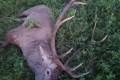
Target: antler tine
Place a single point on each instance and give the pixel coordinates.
(65, 20)
(62, 14)
(93, 31)
(70, 58)
(103, 39)
(79, 75)
(78, 3)
(65, 54)
(70, 70)
(76, 67)
(65, 10)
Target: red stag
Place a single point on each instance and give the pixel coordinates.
(36, 38)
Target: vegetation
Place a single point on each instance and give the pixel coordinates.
(101, 59)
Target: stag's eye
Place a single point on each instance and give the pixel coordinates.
(48, 72)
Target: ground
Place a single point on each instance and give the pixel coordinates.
(101, 59)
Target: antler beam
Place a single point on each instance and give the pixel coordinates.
(60, 20)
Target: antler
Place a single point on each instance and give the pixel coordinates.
(59, 22)
(93, 33)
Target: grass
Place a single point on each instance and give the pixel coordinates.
(102, 59)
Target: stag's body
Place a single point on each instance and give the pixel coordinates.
(35, 42)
